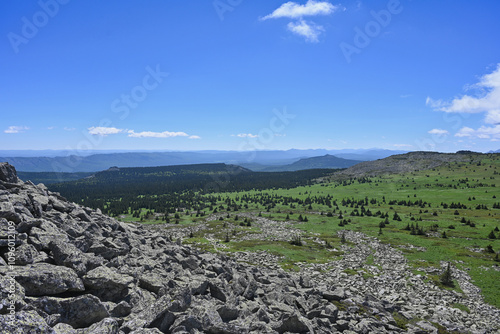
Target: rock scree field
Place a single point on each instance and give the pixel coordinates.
(406, 244)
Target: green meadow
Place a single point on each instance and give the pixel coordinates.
(453, 211)
(455, 206)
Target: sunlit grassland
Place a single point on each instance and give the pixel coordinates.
(475, 185)
(469, 184)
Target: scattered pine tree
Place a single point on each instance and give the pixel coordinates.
(446, 277)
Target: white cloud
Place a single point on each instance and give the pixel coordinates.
(71, 129)
(293, 10)
(16, 129)
(438, 132)
(245, 135)
(402, 145)
(487, 102)
(194, 137)
(101, 130)
(484, 132)
(151, 134)
(465, 132)
(309, 30)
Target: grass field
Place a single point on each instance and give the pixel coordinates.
(459, 200)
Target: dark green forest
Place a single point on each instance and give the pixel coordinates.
(165, 189)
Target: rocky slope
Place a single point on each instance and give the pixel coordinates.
(78, 271)
(403, 163)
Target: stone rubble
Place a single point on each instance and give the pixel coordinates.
(79, 271)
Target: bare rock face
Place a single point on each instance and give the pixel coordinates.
(41, 279)
(78, 271)
(78, 312)
(8, 173)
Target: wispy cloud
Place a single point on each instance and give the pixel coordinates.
(66, 128)
(309, 30)
(292, 10)
(488, 101)
(16, 129)
(101, 131)
(438, 132)
(105, 131)
(151, 134)
(484, 132)
(245, 135)
(403, 145)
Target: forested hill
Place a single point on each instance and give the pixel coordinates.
(409, 162)
(175, 183)
(326, 161)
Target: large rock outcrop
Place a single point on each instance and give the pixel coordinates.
(78, 271)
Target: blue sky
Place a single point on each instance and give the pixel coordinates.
(234, 75)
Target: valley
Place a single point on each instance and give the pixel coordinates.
(446, 207)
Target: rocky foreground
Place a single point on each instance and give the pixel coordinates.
(78, 271)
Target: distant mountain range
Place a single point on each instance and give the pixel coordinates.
(255, 160)
(325, 161)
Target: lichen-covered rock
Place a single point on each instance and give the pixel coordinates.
(62, 328)
(105, 326)
(82, 311)
(11, 295)
(66, 254)
(24, 322)
(25, 254)
(8, 173)
(107, 283)
(41, 279)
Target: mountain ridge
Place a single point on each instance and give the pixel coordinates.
(98, 162)
(325, 161)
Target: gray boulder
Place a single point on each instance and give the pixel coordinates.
(82, 311)
(8, 173)
(46, 233)
(24, 322)
(105, 326)
(10, 291)
(25, 254)
(8, 212)
(107, 283)
(62, 328)
(41, 279)
(157, 315)
(295, 324)
(146, 331)
(66, 254)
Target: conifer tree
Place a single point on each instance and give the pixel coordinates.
(446, 277)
